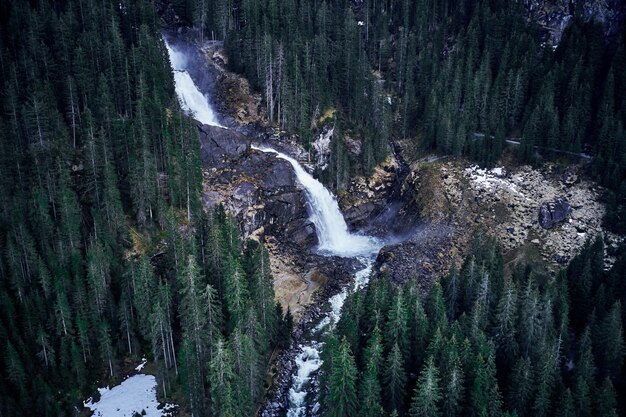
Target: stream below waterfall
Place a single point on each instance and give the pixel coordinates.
(308, 361)
(334, 239)
(333, 236)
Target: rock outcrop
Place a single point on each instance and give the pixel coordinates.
(553, 212)
(505, 203)
(321, 145)
(554, 16)
(367, 199)
(426, 255)
(259, 189)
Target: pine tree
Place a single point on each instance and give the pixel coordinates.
(610, 343)
(370, 388)
(521, 386)
(396, 329)
(452, 291)
(395, 380)
(342, 395)
(484, 397)
(222, 381)
(605, 401)
(191, 376)
(427, 394)
(193, 307)
(504, 329)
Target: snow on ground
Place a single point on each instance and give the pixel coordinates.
(134, 395)
(490, 179)
(139, 367)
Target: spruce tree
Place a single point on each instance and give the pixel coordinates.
(342, 394)
(427, 394)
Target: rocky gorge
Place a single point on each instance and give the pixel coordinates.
(426, 210)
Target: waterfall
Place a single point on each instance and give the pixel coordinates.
(192, 101)
(331, 228)
(332, 233)
(334, 239)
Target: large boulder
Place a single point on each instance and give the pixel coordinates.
(553, 212)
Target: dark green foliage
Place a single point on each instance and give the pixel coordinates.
(341, 400)
(427, 393)
(506, 346)
(106, 253)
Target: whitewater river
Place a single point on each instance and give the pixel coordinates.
(333, 236)
(334, 240)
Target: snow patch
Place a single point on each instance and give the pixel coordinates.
(135, 395)
(491, 179)
(139, 367)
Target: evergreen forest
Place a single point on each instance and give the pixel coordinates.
(483, 342)
(106, 253)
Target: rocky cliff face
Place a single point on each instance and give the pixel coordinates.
(258, 189)
(555, 15)
(262, 193)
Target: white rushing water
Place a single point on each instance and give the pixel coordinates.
(191, 99)
(334, 239)
(330, 226)
(308, 360)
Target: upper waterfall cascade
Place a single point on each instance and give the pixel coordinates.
(191, 99)
(332, 230)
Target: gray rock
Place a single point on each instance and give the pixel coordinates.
(221, 146)
(554, 16)
(553, 212)
(569, 178)
(424, 255)
(258, 188)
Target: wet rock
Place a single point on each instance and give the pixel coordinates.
(553, 212)
(221, 146)
(259, 189)
(421, 256)
(339, 272)
(367, 198)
